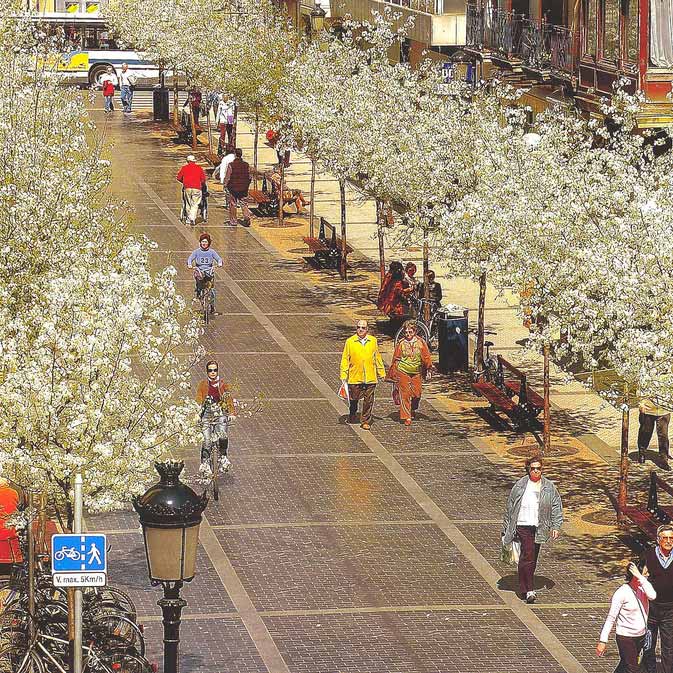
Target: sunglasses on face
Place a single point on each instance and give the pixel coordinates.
(536, 469)
(211, 370)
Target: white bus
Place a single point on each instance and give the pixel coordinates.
(92, 48)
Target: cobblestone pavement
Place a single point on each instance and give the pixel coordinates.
(332, 549)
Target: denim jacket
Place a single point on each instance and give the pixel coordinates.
(550, 513)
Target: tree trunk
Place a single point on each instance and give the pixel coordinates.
(380, 222)
(311, 211)
(281, 203)
(344, 261)
(426, 269)
(176, 101)
(256, 142)
(210, 132)
(479, 360)
(622, 497)
(193, 120)
(546, 429)
(235, 128)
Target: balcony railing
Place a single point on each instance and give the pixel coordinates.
(428, 6)
(538, 45)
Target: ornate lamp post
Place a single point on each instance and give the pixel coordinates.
(170, 515)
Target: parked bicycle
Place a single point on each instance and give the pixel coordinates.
(489, 370)
(426, 329)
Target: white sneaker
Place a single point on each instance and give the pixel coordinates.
(225, 463)
(530, 597)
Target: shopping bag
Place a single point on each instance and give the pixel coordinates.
(516, 551)
(510, 553)
(343, 392)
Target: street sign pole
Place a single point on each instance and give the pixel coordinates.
(77, 660)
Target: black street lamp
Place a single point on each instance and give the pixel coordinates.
(170, 515)
(318, 15)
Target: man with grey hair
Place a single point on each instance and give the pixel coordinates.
(659, 564)
(127, 82)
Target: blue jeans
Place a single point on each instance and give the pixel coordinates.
(109, 105)
(127, 97)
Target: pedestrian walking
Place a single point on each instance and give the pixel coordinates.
(127, 84)
(194, 99)
(629, 608)
(193, 178)
(237, 181)
(659, 564)
(361, 367)
(533, 516)
(411, 364)
(109, 82)
(434, 290)
(224, 119)
(651, 415)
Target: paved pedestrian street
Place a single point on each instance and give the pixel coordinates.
(333, 549)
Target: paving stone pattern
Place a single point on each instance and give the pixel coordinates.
(310, 519)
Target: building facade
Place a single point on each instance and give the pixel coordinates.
(578, 49)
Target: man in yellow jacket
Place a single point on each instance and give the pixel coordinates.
(361, 368)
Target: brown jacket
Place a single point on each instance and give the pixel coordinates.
(237, 179)
(202, 393)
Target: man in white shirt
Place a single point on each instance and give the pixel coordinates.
(224, 118)
(221, 171)
(533, 516)
(127, 82)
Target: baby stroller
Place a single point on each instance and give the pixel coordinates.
(203, 206)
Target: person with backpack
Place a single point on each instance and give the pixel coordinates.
(629, 608)
(237, 181)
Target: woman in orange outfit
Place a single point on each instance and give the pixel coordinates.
(411, 363)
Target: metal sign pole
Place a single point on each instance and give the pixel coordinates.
(30, 531)
(77, 659)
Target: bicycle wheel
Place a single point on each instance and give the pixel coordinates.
(113, 632)
(112, 598)
(17, 660)
(123, 662)
(205, 308)
(215, 467)
(421, 331)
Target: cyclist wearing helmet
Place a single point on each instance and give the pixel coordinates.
(217, 410)
(204, 259)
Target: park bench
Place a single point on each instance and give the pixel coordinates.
(264, 203)
(184, 133)
(649, 518)
(326, 255)
(511, 382)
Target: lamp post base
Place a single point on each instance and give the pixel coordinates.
(171, 607)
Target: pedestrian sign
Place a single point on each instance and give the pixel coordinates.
(79, 560)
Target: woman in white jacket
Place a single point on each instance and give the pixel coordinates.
(628, 613)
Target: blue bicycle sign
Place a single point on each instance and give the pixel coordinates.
(78, 553)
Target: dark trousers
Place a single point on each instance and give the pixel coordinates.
(629, 649)
(530, 550)
(647, 423)
(364, 392)
(660, 622)
(226, 134)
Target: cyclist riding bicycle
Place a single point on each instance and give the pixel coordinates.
(205, 259)
(217, 412)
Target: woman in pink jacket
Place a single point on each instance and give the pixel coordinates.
(628, 613)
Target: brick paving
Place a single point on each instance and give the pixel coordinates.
(319, 554)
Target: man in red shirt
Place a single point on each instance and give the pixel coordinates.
(193, 178)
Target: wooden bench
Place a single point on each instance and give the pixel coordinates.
(531, 403)
(184, 133)
(649, 518)
(265, 203)
(511, 382)
(326, 255)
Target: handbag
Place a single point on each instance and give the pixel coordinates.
(647, 643)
